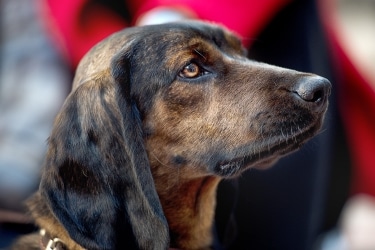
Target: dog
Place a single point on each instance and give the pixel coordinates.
(157, 116)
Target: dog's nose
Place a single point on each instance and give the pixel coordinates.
(313, 91)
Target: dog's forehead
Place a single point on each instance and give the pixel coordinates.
(183, 32)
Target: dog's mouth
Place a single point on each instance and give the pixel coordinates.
(267, 153)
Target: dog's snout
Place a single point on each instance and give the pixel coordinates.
(313, 91)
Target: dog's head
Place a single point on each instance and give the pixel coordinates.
(174, 97)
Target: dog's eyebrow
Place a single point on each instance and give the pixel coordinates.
(199, 53)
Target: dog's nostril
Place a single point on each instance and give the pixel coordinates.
(313, 89)
(317, 96)
(311, 96)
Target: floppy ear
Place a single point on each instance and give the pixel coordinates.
(97, 178)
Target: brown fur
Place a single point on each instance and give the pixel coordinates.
(158, 115)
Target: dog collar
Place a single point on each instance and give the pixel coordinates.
(49, 243)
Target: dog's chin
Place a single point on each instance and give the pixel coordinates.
(234, 167)
(267, 154)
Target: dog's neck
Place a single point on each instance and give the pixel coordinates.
(189, 206)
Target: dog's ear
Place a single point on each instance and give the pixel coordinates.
(97, 178)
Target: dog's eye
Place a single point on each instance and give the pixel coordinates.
(191, 70)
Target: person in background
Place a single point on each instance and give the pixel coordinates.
(34, 82)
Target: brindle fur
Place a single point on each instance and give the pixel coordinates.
(137, 151)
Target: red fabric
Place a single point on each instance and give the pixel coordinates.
(358, 110)
(246, 18)
(81, 24)
(357, 106)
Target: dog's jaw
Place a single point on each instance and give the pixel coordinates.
(267, 153)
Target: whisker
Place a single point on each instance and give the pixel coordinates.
(156, 158)
(199, 53)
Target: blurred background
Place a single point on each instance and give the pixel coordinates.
(33, 85)
(357, 20)
(41, 43)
